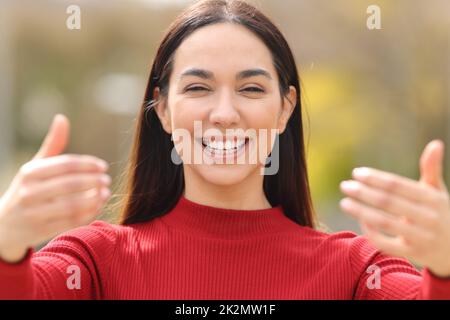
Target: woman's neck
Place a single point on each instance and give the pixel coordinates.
(247, 195)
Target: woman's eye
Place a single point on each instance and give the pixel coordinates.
(248, 89)
(253, 89)
(196, 89)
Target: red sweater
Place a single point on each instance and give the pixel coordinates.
(200, 252)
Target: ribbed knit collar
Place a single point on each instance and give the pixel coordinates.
(203, 220)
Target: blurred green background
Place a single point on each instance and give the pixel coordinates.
(371, 97)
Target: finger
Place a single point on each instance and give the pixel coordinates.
(388, 245)
(389, 203)
(58, 226)
(394, 184)
(431, 165)
(55, 166)
(56, 139)
(62, 186)
(386, 223)
(69, 209)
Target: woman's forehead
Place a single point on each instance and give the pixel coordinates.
(224, 46)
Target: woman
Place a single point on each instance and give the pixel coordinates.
(219, 228)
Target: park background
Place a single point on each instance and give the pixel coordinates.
(371, 97)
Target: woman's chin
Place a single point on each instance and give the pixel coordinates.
(225, 175)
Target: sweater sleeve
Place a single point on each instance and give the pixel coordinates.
(74, 265)
(381, 277)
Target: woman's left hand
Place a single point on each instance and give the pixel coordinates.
(404, 217)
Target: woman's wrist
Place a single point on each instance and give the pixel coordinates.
(10, 254)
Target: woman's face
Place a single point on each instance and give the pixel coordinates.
(223, 92)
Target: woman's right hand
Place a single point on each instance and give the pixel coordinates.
(51, 194)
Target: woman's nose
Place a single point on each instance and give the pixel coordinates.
(224, 113)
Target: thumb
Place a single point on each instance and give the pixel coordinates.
(56, 139)
(431, 165)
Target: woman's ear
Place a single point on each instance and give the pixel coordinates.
(289, 102)
(162, 111)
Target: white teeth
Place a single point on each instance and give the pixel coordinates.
(228, 145)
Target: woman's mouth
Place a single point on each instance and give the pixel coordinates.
(224, 148)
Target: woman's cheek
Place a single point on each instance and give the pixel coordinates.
(185, 113)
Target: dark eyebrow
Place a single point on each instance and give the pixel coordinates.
(253, 73)
(208, 75)
(204, 74)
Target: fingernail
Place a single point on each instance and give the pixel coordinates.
(360, 172)
(349, 186)
(103, 165)
(55, 118)
(105, 193)
(106, 179)
(345, 203)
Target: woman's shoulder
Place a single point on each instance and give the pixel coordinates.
(321, 237)
(355, 247)
(338, 249)
(322, 233)
(98, 233)
(346, 238)
(104, 233)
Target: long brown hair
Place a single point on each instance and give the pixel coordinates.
(154, 183)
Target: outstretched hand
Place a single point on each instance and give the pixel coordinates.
(50, 194)
(404, 217)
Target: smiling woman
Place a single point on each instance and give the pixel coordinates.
(215, 230)
(237, 87)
